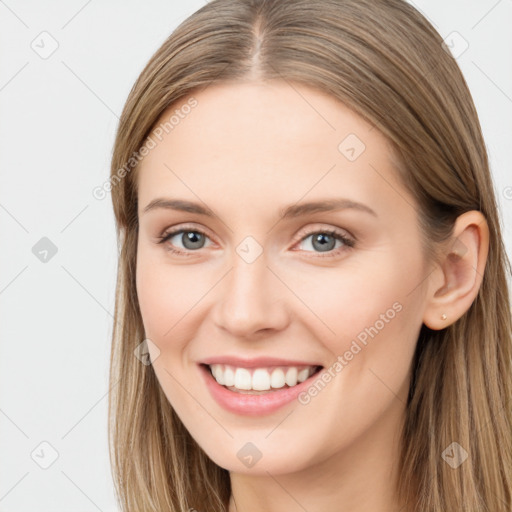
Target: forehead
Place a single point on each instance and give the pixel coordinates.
(255, 141)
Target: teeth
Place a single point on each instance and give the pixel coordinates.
(303, 375)
(229, 376)
(218, 374)
(277, 379)
(291, 376)
(242, 378)
(260, 379)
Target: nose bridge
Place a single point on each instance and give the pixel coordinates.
(250, 299)
(247, 281)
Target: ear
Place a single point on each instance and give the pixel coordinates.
(454, 285)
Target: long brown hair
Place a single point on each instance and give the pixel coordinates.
(385, 61)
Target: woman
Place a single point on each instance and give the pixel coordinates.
(312, 309)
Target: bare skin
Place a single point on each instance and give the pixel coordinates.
(247, 151)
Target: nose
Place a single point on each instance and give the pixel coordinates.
(251, 300)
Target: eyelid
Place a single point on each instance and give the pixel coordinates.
(174, 230)
(322, 228)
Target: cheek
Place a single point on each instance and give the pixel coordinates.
(154, 296)
(171, 296)
(345, 300)
(165, 297)
(367, 313)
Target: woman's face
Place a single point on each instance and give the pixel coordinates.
(268, 298)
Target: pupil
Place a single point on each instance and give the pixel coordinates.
(324, 246)
(192, 240)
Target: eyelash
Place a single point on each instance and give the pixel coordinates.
(338, 235)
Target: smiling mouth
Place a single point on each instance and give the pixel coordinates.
(256, 381)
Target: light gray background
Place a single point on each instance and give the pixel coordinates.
(58, 119)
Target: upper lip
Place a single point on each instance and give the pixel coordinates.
(256, 362)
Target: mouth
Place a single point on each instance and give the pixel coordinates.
(260, 380)
(256, 386)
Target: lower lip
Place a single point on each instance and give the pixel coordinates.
(255, 405)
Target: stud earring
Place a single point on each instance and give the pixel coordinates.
(443, 317)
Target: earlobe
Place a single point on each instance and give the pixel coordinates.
(454, 284)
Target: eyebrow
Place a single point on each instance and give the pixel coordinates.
(295, 210)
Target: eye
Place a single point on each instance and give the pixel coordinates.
(190, 238)
(328, 241)
(324, 241)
